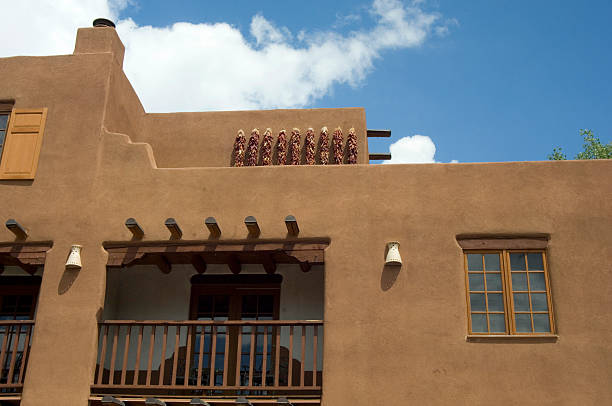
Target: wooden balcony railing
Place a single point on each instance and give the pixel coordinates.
(15, 336)
(210, 357)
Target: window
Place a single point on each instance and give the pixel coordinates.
(508, 292)
(4, 118)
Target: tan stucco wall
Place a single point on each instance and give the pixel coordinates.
(390, 338)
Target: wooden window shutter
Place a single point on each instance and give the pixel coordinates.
(22, 143)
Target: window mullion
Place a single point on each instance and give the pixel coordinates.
(508, 292)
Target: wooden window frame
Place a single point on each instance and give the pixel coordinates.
(5, 108)
(508, 293)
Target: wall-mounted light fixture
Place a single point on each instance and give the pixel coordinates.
(17, 229)
(213, 227)
(283, 401)
(243, 401)
(74, 258)
(252, 226)
(111, 400)
(292, 225)
(175, 230)
(393, 254)
(134, 227)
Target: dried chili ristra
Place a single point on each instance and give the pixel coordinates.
(281, 148)
(266, 148)
(295, 146)
(324, 146)
(351, 142)
(309, 144)
(239, 149)
(253, 148)
(338, 154)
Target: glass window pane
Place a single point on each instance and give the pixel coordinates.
(249, 304)
(2, 133)
(474, 262)
(541, 323)
(523, 323)
(535, 262)
(494, 281)
(476, 281)
(519, 281)
(497, 323)
(538, 302)
(521, 302)
(266, 304)
(477, 302)
(496, 302)
(205, 304)
(537, 281)
(221, 305)
(517, 261)
(3, 121)
(479, 323)
(492, 262)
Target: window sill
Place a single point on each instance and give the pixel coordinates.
(504, 338)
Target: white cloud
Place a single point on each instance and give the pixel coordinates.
(187, 66)
(415, 149)
(418, 149)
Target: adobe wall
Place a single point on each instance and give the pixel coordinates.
(390, 338)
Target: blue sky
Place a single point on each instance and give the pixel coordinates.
(488, 81)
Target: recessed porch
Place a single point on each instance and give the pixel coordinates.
(213, 322)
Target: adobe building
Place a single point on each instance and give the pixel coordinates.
(201, 280)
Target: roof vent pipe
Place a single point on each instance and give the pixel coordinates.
(103, 22)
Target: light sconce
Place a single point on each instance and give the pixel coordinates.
(241, 400)
(74, 258)
(393, 254)
(17, 229)
(283, 401)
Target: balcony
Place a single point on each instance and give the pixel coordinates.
(210, 358)
(215, 321)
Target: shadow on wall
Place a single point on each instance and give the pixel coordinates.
(388, 276)
(68, 278)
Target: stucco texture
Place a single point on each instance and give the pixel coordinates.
(391, 337)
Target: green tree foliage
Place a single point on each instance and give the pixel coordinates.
(592, 148)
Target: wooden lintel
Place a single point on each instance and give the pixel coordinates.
(305, 266)
(162, 263)
(198, 263)
(234, 264)
(269, 265)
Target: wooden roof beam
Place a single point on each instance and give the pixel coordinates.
(175, 230)
(234, 264)
(162, 263)
(380, 156)
(269, 264)
(378, 133)
(198, 263)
